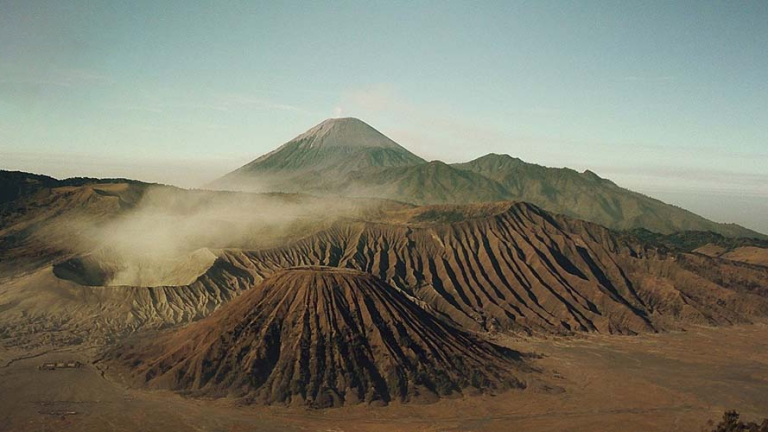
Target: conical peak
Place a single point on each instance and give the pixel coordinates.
(340, 121)
(360, 340)
(346, 132)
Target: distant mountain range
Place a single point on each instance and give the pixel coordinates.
(348, 157)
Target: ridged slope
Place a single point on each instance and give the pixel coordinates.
(525, 270)
(321, 337)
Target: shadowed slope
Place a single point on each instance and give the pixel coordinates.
(321, 337)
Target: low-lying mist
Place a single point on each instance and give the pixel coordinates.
(171, 236)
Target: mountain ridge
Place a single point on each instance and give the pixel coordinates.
(590, 197)
(347, 157)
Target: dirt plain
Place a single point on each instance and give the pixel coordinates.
(654, 382)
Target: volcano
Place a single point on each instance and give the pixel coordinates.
(320, 157)
(322, 337)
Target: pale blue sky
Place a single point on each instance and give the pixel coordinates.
(667, 98)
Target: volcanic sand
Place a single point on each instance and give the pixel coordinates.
(654, 382)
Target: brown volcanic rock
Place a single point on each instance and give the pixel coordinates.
(516, 267)
(321, 337)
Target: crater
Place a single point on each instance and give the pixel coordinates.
(106, 268)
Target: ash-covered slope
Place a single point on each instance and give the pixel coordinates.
(321, 337)
(319, 159)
